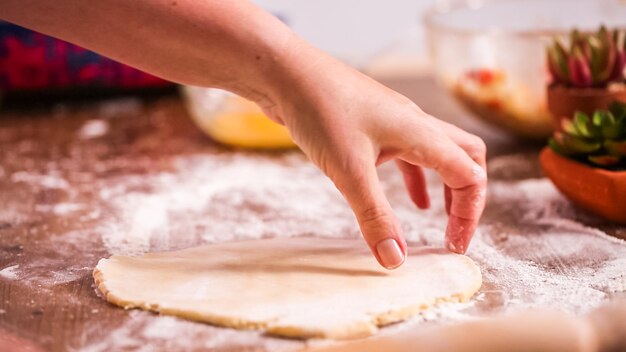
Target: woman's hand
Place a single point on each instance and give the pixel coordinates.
(347, 124)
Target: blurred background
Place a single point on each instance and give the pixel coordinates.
(97, 158)
(359, 32)
(488, 54)
(30, 61)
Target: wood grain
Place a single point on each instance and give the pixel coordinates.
(51, 304)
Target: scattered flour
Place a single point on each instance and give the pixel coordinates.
(93, 129)
(46, 181)
(253, 197)
(60, 209)
(170, 333)
(115, 108)
(530, 244)
(10, 272)
(173, 334)
(534, 248)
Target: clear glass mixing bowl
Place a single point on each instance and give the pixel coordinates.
(490, 54)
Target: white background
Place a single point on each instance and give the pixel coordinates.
(357, 31)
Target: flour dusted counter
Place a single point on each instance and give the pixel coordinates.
(128, 176)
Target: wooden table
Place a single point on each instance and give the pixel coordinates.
(47, 296)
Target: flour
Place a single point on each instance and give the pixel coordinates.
(544, 256)
(173, 334)
(59, 209)
(116, 108)
(170, 333)
(10, 272)
(531, 247)
(51, 180)
(93, 129)
(253, 197)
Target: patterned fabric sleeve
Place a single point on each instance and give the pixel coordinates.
(31, 61)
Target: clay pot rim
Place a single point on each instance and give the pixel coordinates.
(620, 174)
(599, 191)
(614, 88)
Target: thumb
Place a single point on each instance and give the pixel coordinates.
(362, 189)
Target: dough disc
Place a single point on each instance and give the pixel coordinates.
(298, 287)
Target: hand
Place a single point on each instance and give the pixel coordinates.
(344, 121)
(347, 124)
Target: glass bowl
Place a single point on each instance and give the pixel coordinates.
(490, 54)
(234, 121)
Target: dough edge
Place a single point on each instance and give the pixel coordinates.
(127, 304)
(358, 330)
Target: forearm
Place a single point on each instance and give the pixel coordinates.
(230, 44)
(343, 120)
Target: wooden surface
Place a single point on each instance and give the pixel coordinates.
(51, 304)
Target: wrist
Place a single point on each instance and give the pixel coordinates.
(264, 68)
(280, 72)
(297, 76)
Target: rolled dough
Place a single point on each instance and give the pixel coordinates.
(298, 287)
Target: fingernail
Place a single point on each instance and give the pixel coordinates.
(390, 253)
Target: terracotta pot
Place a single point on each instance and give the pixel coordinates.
(599, 191)
(563, 102)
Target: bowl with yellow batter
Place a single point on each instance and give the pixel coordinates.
(234, 121)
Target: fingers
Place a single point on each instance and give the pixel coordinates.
(359, 183)
(473, 146)
(476, 150)
(466, 183)
(447, 194)
(466, 180)
(415, 183)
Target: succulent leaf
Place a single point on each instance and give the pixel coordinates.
(581, 123)
(577, 146)
(601, 118)
(619, 38)
(599, 140)
(616, 148)
(618, 110)
(604, 160)
(575, 37)
(557, 147)
(580, 72)
(591, 59)
(605, 125)
(557, 61)
(568, 127)
(619, 73)
(596, 58)
(612, 131)
(608, 54)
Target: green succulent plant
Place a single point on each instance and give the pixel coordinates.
(588, 59)
(598, 140)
